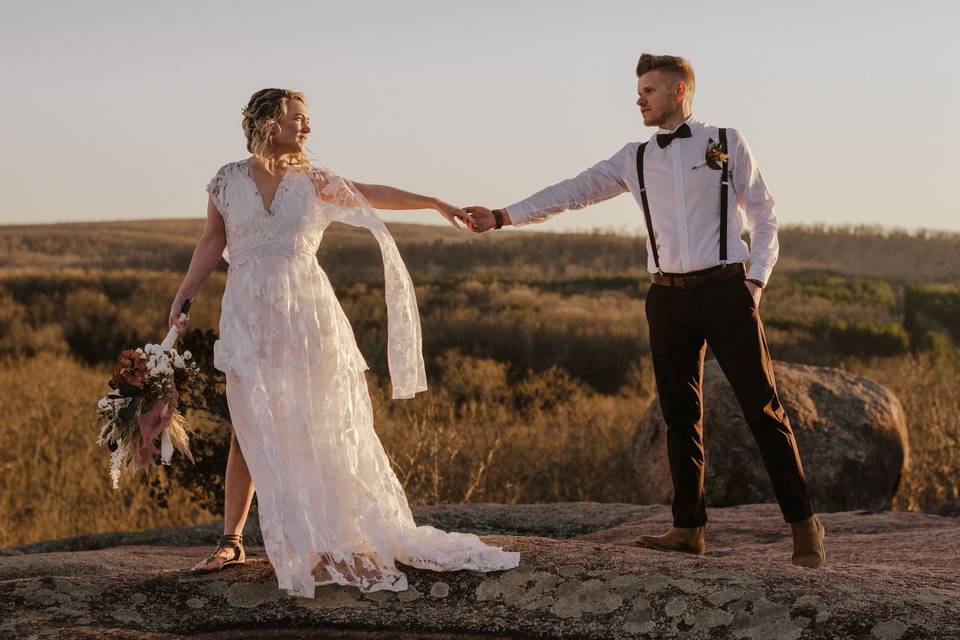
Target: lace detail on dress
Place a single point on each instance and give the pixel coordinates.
(215, 189)
(344, 203)
(331, 509)
(249, 254)
(335, 190)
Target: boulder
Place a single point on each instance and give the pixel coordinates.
(851, 433)
(888, 576)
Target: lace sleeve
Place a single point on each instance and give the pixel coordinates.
(404, 339)
(216, 189)
(336, 190)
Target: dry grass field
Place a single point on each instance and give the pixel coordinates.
(536, 348)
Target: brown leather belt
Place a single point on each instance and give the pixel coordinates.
(699, 278)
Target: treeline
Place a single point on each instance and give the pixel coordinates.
(430, 252)
(593, 328)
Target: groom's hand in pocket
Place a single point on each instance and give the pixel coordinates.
(756, 292)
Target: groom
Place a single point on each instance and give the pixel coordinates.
(692, 180)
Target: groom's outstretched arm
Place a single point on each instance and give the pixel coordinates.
(600, 182)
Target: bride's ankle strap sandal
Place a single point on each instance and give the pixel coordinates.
(229, 552)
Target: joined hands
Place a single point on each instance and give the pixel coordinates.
(483, 219)
(453, 214)
(478, 219)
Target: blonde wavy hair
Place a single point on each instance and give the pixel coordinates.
(260, 125)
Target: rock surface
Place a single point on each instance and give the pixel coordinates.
(851, 433)
(555, 520)
(889, 576)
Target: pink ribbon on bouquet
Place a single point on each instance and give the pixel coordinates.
(153, 422)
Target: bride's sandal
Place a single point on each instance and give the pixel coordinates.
(229, 552)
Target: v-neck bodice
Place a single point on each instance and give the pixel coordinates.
(267, 208)
(292, 225)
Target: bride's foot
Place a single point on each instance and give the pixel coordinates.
(229, 552)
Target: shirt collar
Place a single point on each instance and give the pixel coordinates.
(690, 122)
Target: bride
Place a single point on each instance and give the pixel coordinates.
(331, 509)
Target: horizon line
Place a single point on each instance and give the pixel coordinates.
(874, 228)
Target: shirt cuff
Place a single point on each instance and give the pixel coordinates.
(520, 214)
(759, 273)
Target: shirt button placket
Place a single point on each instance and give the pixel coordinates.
(681, 203)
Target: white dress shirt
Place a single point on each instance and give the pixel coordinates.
(684, 201)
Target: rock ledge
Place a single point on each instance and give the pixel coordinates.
(889, 576)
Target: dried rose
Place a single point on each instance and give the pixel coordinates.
(131, 368)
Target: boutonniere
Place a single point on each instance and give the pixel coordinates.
(714, 156)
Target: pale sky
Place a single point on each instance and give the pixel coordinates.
(125, 110)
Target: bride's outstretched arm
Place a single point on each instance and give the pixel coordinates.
(383, 197)
(204, 260)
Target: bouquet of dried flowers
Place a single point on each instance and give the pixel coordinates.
(141, 409)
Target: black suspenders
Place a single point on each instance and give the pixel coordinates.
(724, 186)
(724, 181)
(646, 207)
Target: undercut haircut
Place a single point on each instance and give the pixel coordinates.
(679, 67)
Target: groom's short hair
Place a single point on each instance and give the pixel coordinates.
(680, 67)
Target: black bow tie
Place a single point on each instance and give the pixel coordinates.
(663, 139)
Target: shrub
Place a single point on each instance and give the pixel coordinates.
(929, 310)
(98, 330)
(206, 409)
(14, 330)
(848, 338)
(838, 287)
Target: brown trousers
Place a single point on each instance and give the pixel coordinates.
(682, 323)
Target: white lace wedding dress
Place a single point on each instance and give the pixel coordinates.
(331, 508)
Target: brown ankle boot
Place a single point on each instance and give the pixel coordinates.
(808, 543)
(677, 539)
